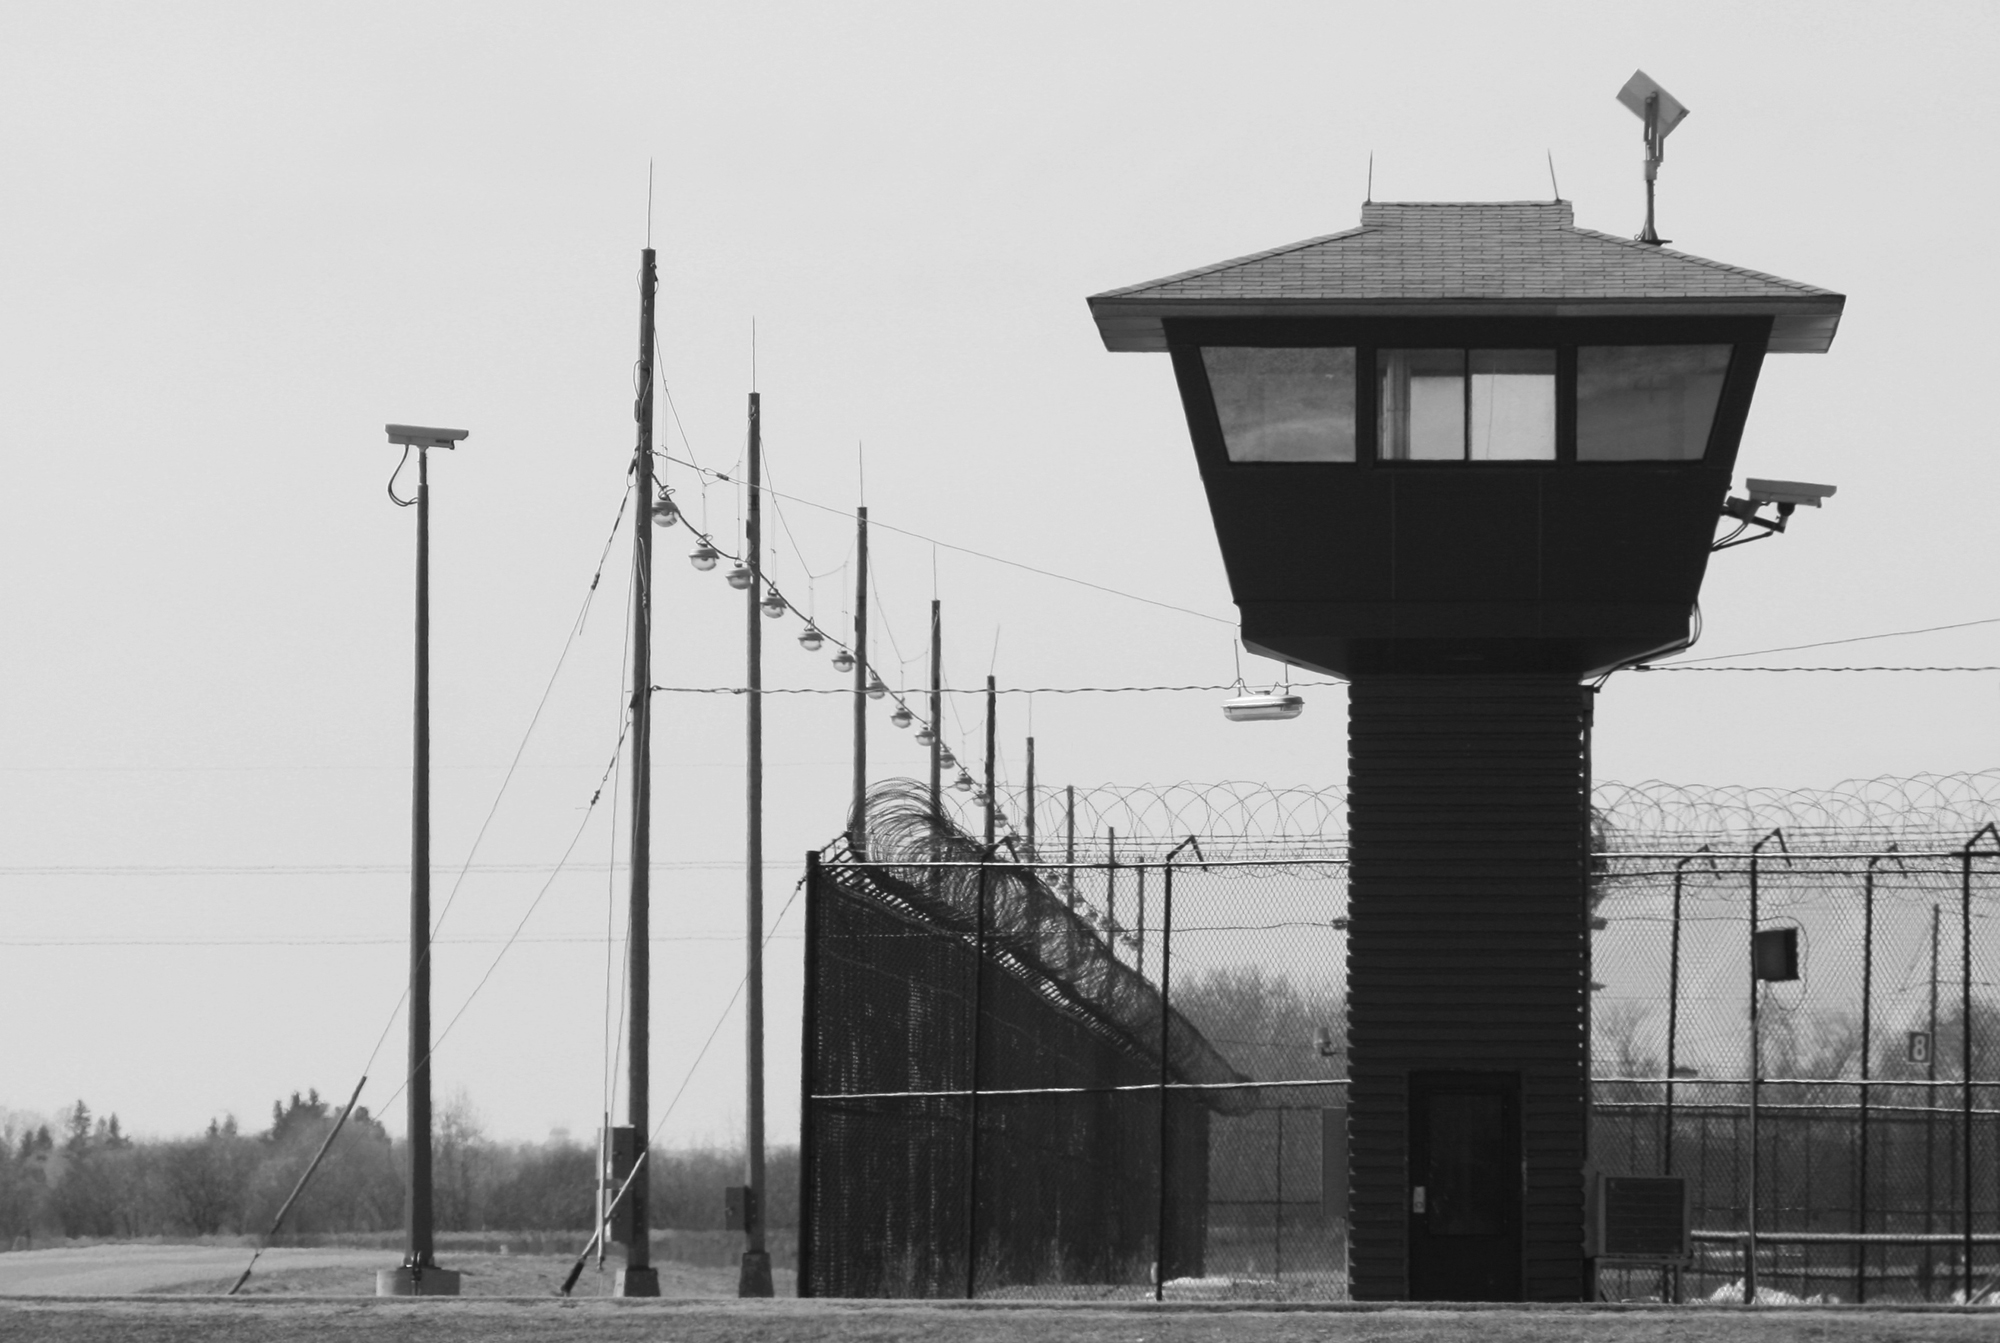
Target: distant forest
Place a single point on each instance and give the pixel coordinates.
(84, 1177)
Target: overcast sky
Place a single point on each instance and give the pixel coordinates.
(237, 239)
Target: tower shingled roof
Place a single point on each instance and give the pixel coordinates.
(1452, 258)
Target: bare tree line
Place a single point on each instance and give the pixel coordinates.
(83, 1177)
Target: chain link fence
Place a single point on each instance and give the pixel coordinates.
(1871, 1082)
(1121, 1075)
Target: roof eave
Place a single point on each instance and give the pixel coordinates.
(1803, 325)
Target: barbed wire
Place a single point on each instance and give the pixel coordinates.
(1244, 819)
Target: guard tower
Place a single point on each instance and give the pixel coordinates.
(1468, 457)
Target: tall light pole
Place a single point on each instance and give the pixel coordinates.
(639, 1277)
(754, 1272)
(419, 1274)
(857, 829)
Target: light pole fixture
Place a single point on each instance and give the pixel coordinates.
(1249, 707)
(1468, 457)
(419, 1274)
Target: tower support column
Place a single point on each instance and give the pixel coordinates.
(1468, 977)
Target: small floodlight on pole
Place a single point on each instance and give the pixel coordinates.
(419, 1274)
(1661, 112)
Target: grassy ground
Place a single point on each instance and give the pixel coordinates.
(274, 1319)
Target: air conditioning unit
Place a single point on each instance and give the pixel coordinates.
(1638, 1219)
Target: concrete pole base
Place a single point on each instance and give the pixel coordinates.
(755, 1277)
(637, 1282)
(408, 1281)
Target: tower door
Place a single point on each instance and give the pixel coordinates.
(1465, 1187)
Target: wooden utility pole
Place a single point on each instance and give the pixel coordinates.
(992, 798)
(857, 828)
(639, 1277)
(1029, 805)
(754, 1276)
(937, 710)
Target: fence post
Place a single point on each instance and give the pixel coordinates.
(1965, 1054)
(1166, 1021)
(1111, 893)
(1069, 841)
(1867, 1044)
(972, 1105)
(1673, 1015)
(1756, 1067)
(808, 1056)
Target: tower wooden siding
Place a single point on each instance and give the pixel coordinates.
(1469, 944)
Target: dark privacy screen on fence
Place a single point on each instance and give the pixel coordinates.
(1124, 1101)
(1024, 1158)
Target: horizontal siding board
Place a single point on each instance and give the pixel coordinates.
(1466, 943)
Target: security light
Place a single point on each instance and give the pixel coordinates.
(419, 436)
(1263, 708)
(1787, 492)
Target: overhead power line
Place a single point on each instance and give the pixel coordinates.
(1673, 667)
(1003, 690)
(963, 550)
(1829, 643)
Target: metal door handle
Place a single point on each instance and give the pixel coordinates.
(1417, 1198)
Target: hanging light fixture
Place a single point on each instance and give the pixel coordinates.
(1265, 708)
(843, 661)
(810, 640)
(665, 514)
(773, 604)
(876, 690)
(703, 557)
(902, 717)
(739, 577)
(946, 760)
(963, 783)
(979, 798)
(925, 736)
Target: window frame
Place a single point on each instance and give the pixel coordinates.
(1367, 337)
(1465, 376)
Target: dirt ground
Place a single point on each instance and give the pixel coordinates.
(281, 1319)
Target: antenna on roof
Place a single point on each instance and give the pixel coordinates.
(1554, 190)
(1371, 178)
(1661, 112)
